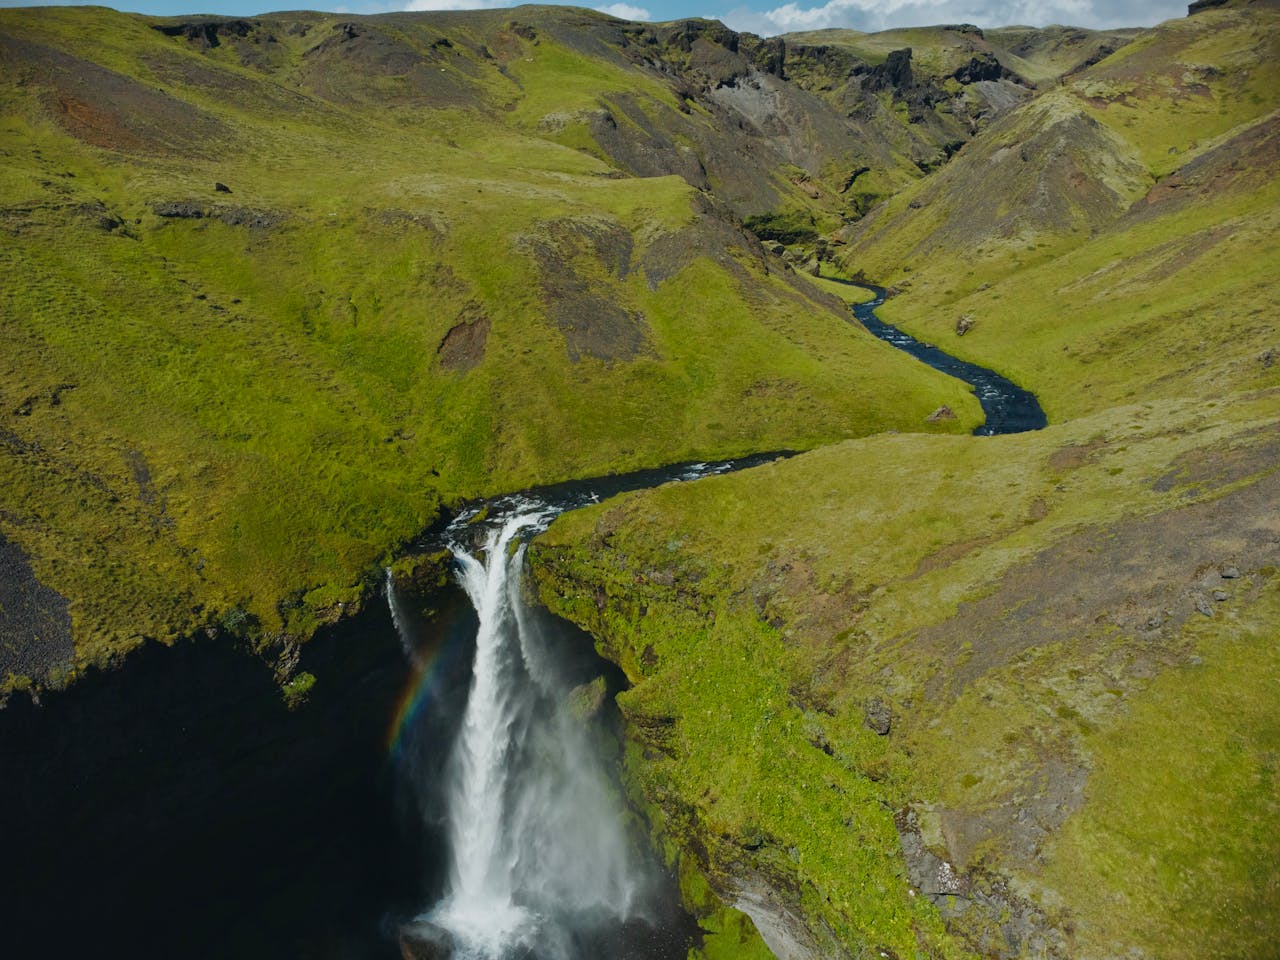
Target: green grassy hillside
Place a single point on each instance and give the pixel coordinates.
(277, 289)
(1004, 703)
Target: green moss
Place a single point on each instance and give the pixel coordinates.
(787, 228)
(730, 935)
(1204, 740)
(737, 754)
(753, 670)
(297, 689)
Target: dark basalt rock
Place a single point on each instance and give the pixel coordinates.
(984, 67)
(178, 209)
(103, 218)
(423, 940)
(249, 217)
(35, 620)
(879, 718)
(206, 33)
(894, 73)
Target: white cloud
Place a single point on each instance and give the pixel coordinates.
(871, 15)
(625, 11)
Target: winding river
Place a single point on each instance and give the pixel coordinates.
(1009, 408)
(176, 808)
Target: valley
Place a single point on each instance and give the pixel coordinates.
(283, 294)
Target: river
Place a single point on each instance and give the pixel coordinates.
(1009, 408)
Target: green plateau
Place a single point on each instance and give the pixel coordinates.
(281, 292)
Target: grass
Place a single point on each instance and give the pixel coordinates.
(209, 424)
(1142, 291)
(1203, 849)
(258, 414)
(760, 636)
(1137, 280)
(771, 790)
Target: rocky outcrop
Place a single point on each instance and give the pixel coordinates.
(35, 621)
(423, 940)
(207, 34)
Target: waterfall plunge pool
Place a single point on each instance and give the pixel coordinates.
(175, 807)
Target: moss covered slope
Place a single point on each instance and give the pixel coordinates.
(904, 679)
(1128, 252)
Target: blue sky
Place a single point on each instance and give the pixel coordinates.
(767, 17)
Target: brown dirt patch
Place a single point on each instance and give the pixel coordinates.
(573, 257)
(463, 346)
(109, 110)
(1245, 162)
(1074, 456)
(1134, 582)
(1201, 470)
(951, 553)
(353, 64)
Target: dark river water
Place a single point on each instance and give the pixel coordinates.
(1009, 408)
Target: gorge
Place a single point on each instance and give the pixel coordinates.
(286, 300)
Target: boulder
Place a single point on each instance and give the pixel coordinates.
(965, 324)
(178, 209)
(942, 413)
(423, 940)
(587, 699)
(879, 718)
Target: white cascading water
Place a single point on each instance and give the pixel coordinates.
(536, 832)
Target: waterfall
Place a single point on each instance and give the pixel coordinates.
(398, 620)
(535, 829)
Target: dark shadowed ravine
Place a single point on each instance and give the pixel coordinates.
(1009, 408)
(177, 808)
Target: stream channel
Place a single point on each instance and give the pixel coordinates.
(1009, 408)
(436, 786)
